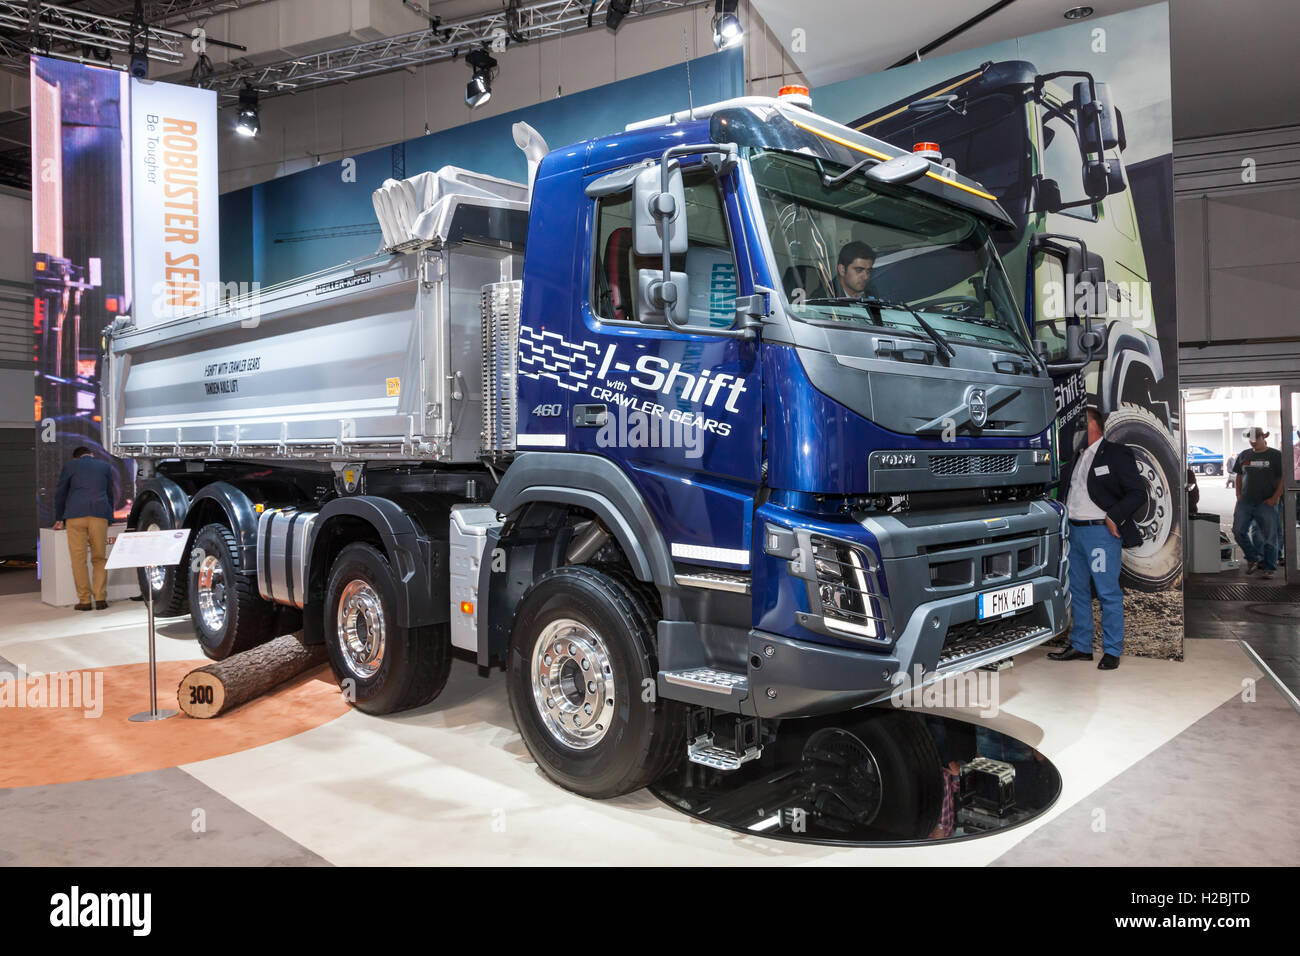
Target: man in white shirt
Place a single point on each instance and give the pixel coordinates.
(1102, 492)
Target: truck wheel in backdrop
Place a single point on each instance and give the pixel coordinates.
(169, 585)
(382, 666)
(1158, 563)
(581, 679)
(229, 615)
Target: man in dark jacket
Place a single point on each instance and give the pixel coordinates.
(1102, 492)
(84, 503)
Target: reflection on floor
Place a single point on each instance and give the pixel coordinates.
(1160, 761)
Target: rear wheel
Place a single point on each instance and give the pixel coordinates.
(582, 673)
(229, 615)
(169, 585)
(382, 666)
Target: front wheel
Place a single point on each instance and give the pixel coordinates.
(1156, 564)
(382, 666)
(581, 683)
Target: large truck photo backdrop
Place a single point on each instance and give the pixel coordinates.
(81, 263)
(124, 228)
(1093, 207)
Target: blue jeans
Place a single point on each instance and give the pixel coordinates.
(1095, 556)
(1264, 517)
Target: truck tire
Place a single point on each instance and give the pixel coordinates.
(1157, 564)
(381, 666)
(582, 658)
(1212, 469)
(911, 781)
(229, 615)
(169, 585)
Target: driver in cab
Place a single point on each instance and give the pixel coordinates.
(854, 269)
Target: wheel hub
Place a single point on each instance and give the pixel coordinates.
(361, 629)
(212, 593)
(573, 683)
(1156, 518)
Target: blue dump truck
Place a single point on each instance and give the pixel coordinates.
(628, 431)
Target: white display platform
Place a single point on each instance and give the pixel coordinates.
(57, 586)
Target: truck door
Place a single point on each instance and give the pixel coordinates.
(680, 411)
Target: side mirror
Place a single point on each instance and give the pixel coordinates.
(1102, 178)
(904, 168)
(660, 301)
(1100, 127)
(1089, 272)
(1048, 196)
(658, 218)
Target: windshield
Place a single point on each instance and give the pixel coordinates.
(873, 257)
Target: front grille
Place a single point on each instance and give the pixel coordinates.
(848, 589)
(958, 465)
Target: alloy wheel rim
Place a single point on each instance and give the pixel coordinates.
(573, 683)
(362, 630)
(212, 593)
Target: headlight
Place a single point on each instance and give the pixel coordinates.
(846, 587)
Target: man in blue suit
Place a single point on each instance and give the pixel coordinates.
(84, 504)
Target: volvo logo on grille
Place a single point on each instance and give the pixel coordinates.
(977, 405)
(896, 459)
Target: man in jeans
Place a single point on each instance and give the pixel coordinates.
(84, 503)
(1259, 487)
(1102, 492)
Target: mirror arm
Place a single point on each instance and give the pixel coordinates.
(1087, 337)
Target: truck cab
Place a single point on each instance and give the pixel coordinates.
(835, 494)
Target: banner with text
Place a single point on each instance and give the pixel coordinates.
(174, 200)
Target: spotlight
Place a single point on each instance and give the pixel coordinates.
(140, 66)
(247, 123)
(479, 89)
(618, 9)
(1078, 13)
(727, 31)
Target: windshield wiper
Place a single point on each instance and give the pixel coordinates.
(930, 330)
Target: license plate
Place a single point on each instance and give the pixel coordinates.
(1006, 600)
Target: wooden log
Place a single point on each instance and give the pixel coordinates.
(218, 688)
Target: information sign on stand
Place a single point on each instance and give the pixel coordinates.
(149, 550)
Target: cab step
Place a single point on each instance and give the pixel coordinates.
(704, 752)
(726, 683)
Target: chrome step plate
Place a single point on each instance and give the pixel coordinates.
(702, 752)
(710, 679)
(714, 581)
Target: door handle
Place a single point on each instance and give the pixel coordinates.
(590, 416)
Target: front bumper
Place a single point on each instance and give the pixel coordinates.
(795, 678)
(922, 574)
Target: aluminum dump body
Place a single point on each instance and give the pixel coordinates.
(380, 358)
